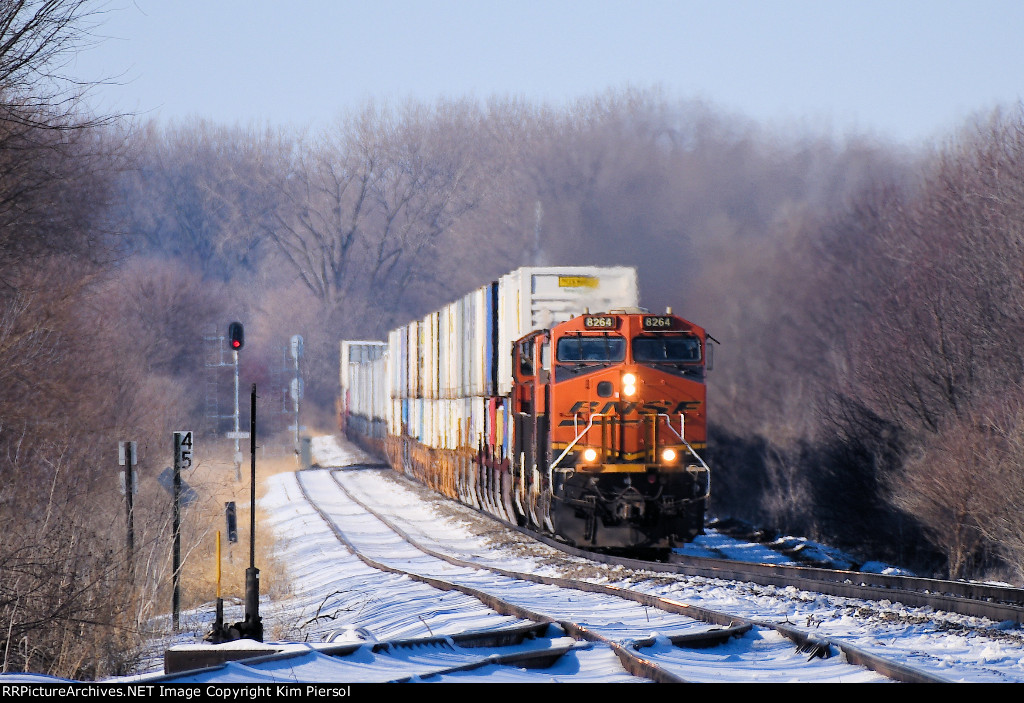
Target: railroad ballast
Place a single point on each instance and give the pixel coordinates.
(549, 399)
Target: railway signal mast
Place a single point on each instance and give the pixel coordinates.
(236, 340)
(296, 388)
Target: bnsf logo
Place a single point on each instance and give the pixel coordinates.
(667, 407)
(662, 407)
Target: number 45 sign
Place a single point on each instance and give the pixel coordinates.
(182, 450)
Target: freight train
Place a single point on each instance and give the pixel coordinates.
(548, 399)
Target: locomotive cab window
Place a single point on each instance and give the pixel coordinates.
(580, 349)
(667, 349)
(578, 354)
(525, 354)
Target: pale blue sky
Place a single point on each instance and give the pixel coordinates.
(903, 69)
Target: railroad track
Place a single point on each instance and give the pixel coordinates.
(994, 602)
(513, 648)
(997, 603)
(619, 619)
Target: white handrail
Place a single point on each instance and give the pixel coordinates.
(682, 430)
(575, 424)
(668, 421)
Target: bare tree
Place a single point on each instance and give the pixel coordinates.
(366, 202)
(37, 40)
(964, 484)
(59, 572)
(204, 194)
(914, 304)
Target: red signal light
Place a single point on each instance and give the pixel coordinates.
(236, 336)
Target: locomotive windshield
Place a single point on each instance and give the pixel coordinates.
(580, 349)
(670, 349)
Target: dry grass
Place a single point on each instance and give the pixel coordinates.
(214, 479)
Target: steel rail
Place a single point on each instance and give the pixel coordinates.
(734, 625)
(541, 655)
(631, 661)
(999, 603)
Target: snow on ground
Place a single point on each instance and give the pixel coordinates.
(714, 544)
(333, 595)
(956, 647)
(328, 450)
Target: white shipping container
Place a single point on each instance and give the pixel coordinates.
(356, 356)
(479, 344)
(394, 417)
(441, 363)
(428, 358)
(415, 428)
(534, 298)
(431, 437)
(396, 368)
(476, 383)
(365, 381)
(448, 347)
(476, 411)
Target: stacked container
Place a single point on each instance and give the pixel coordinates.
(364, 388)
(434, 381)
(535, 298)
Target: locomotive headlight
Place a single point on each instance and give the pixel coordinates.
(668, 456)
(628, 384)
(589, 455)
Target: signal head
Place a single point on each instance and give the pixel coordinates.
(236, 336)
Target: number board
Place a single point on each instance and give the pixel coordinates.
(183, 450)
(600, 322)
(658, 322)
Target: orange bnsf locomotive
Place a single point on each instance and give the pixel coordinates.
(520, 402)
(610, 416)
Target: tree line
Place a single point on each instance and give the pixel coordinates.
(865, 295)
(867, 298)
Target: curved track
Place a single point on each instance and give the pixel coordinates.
(994, 602)
(621, 619)
(998, 603)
